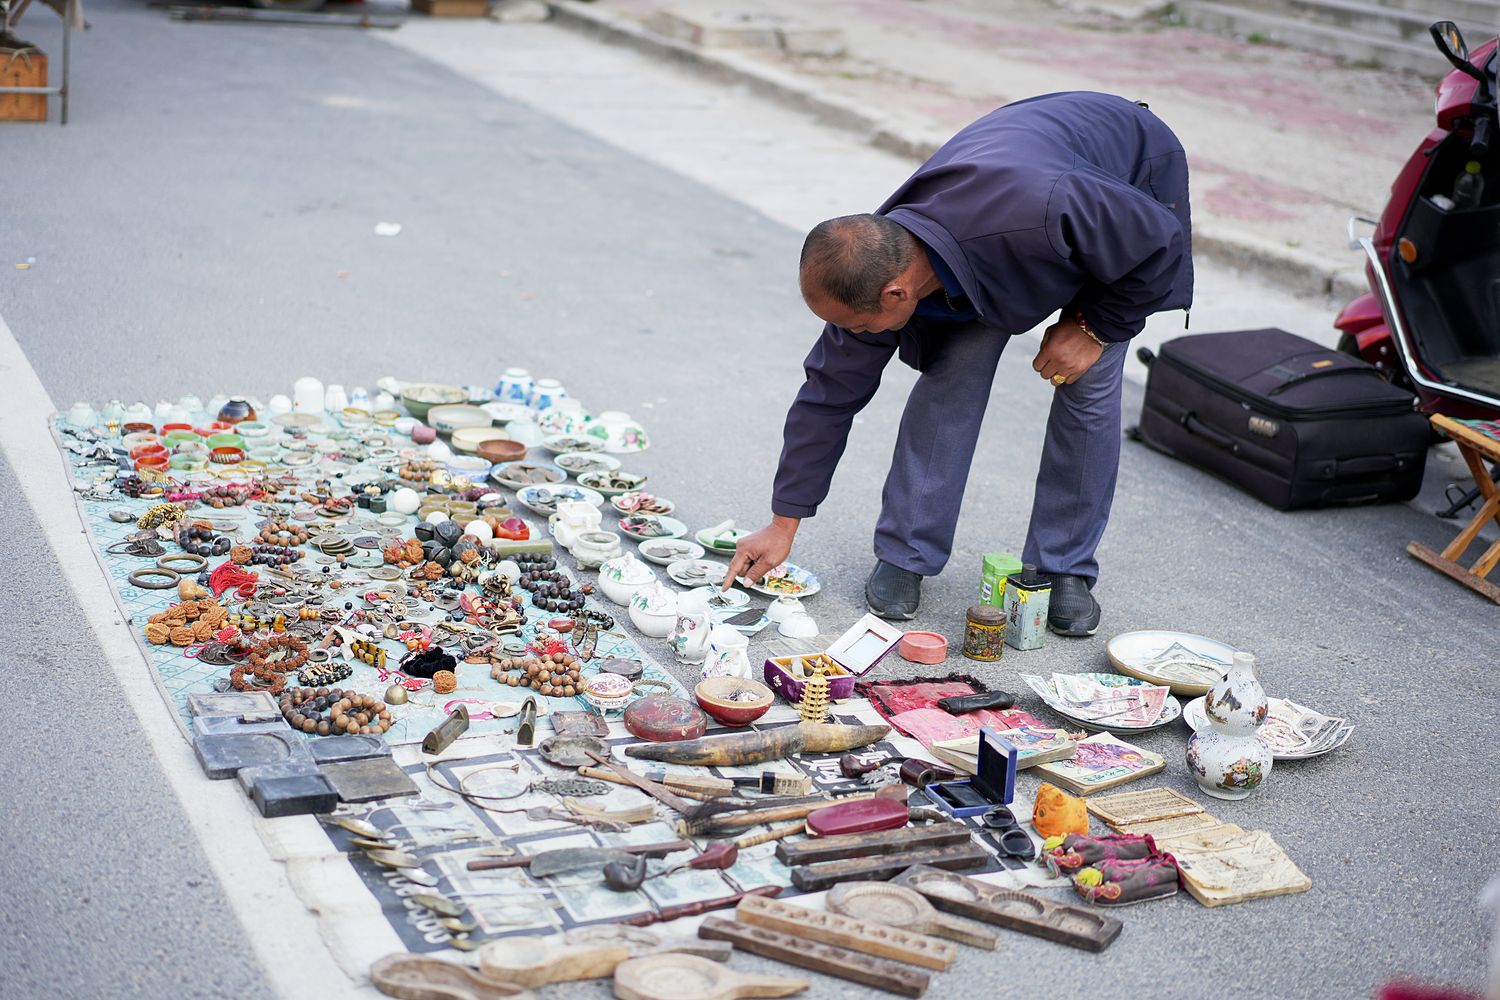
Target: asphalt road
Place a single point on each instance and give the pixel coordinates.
(190, 228)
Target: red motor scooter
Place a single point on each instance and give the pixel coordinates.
(1431, 320)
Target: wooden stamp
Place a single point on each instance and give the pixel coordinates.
(846, 932)
(812, 878)
(892, 977)
(537, 961)
(897, 906)
(688, 977)
(863, 845)
(1074, 926)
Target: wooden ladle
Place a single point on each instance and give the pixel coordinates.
(419, 977)
(537, 961)
(688, 977)
(895, 906)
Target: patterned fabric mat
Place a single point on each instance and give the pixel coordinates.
(179, 673)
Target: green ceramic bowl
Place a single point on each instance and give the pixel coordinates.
(423, 396)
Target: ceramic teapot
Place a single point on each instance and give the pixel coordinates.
(728, 653)
(689, 635)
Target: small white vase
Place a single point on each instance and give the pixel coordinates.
(1227, 757)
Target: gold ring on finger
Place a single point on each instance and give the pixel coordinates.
(1059, 379)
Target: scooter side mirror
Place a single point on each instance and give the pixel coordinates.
(1450, 42)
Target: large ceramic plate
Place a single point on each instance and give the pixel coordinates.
(666, 551)
(643, 527)
(504, 413)
(697, 573)
(1283, 712)
(1171, 711)
(580, 462)
(544, 499)
(614, 482)
(720, 600)
(785, 580)
(1188, 664)
(725, 543)
(627, 503)
(517, 475)
(561, 444)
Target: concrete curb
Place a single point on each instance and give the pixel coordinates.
(1293, 270)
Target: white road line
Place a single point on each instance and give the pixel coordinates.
(280, 929)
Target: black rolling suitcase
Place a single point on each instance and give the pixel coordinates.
(1292, 423)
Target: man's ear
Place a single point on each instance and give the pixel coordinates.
(895, 292)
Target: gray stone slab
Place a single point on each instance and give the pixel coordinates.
(286, 769)
(232, 703)
(218, 725)
(335, 749)
(222, 755)
(369, 780)
(295, 795)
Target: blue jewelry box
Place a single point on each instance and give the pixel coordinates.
(994, 784)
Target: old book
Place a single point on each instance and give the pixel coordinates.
(1177, 825)
(1101, 762)
(1229, 865)
(1034, 745)
(1142, 806)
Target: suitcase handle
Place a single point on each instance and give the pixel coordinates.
(1309, 376)
(1198, 427)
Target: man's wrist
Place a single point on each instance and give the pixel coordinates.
(1083, 324)
(785, 524)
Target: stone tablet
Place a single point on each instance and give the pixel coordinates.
(234, 703)
(354, 746)
(294, 796)
(369, 780)
(287, 769)
(222, 756)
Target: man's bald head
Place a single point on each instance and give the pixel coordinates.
(851, 259)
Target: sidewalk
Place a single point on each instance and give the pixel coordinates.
(1284, 145)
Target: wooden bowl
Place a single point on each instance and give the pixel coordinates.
(716, 696)
(497, 450)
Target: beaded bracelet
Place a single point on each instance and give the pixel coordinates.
(369, 715)
(282, 533)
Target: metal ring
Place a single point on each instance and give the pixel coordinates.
(169, 578)
(320, 655)
(193, 562)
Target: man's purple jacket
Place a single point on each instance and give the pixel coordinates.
(1074, 201)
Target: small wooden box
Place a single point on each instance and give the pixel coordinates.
(23, 68)
(451, 8)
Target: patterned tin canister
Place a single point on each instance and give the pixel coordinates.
(984, 637)
(1026, 599)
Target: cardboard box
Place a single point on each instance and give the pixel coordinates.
(23, 68)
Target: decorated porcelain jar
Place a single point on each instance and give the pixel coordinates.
(1226, 756)
(546, 393)
(566, 416)
(621, 578)
(514, 386)
(728, 653)
(653, 610)
(620, 434)
(689, 635)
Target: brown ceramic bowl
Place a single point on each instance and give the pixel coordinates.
(717, 697)
(501, 450)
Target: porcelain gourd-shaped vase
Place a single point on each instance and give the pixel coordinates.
(689, 635)
(1226, 756)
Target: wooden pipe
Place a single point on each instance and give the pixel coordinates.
(759, 747)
